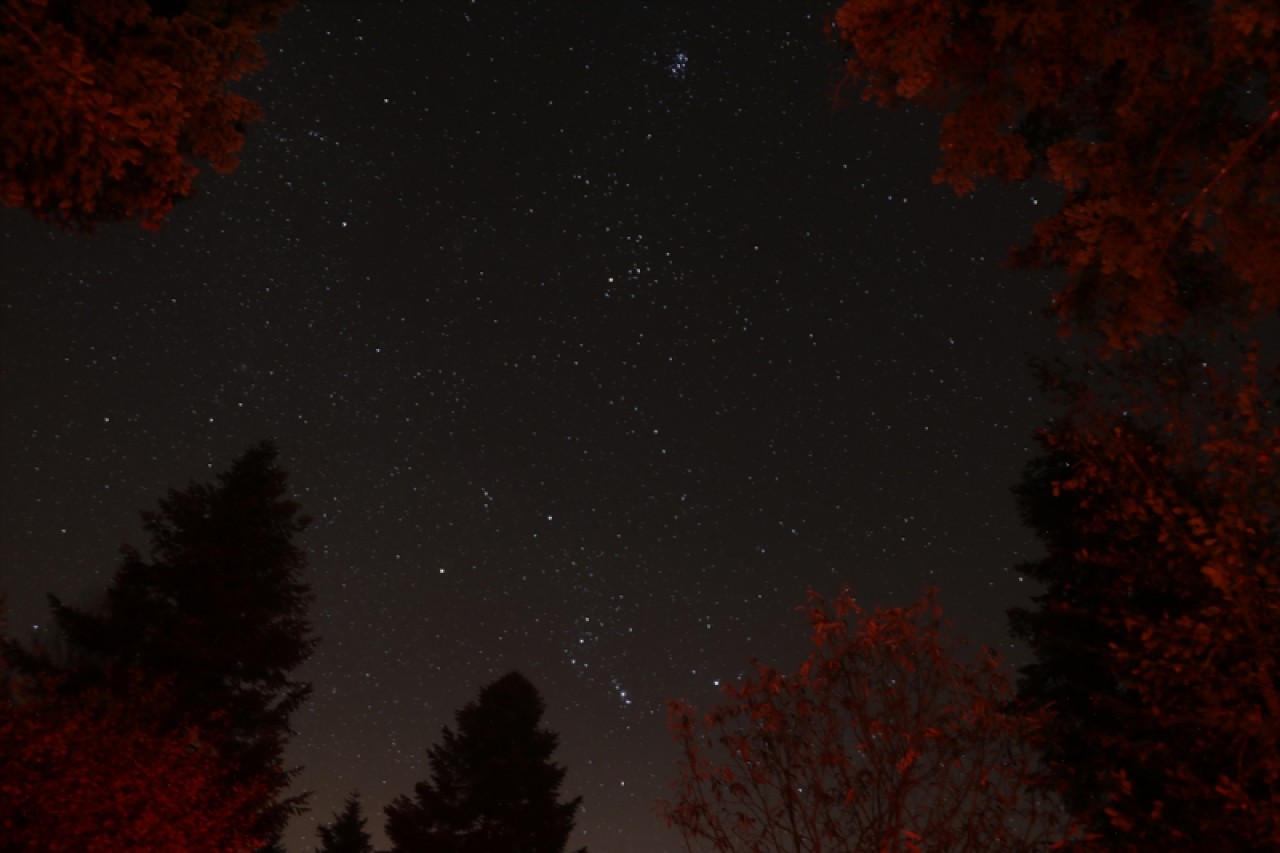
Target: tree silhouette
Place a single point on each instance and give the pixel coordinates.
(107, 104)
(494, 787)
(1158, 501)
(1159, 121)
(275, 844)
(884, 740)
(345, 833)
(218, 613)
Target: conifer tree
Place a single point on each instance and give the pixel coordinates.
(217, 611)
(346, 832)
(493, 787)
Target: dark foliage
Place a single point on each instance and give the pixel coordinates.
(494, 787)
(95, 770)
(217, 611)
(1158, 502)
(1159, 121)
(889, 737)
(345, 833)
(106, 106)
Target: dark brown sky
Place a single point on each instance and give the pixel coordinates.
(592, 336)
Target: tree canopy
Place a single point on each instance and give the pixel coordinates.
(493, 787)
(886, 739)
(97, 771)
(107, 105)
(218, 613)
(1160, 121)
(1158, 501)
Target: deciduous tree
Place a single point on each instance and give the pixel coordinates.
(107, 105)
(886, 739)
(98, 771)
(494, 787)
(1160, 121)
(1156, 647)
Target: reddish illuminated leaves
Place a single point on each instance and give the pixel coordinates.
(1156, 640)
(86, 772)
(1161, 121)
(106, 106)
(883, 737)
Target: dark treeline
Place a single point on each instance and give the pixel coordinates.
(158, 720)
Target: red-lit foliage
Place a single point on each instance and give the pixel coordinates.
(1158, 638)
(884, 740)
(86, 772)
(1160, 121)
(106, 104)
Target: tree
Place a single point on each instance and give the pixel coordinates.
(1155, 642)
(1159, 120)
(883, 740)
(218, 612)
(96, 771)
(107, 104)
(346, 833)
(275, 844)
(493, 788)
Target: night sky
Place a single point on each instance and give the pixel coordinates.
(591, 335)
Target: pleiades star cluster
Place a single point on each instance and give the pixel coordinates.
(592, 334)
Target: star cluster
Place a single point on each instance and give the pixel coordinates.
(592, 335)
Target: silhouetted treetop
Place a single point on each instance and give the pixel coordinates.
(346, 832)
(493, 787)
(217, 611)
